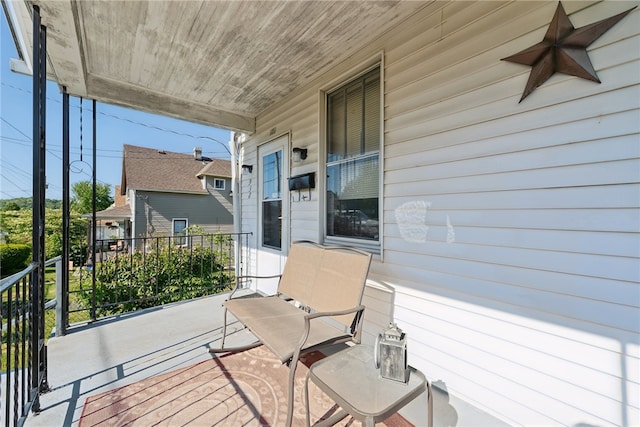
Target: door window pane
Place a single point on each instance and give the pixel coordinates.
(272, 200)
(271, 220)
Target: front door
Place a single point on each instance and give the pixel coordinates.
(273, 229)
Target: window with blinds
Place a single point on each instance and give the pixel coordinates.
(353, 166)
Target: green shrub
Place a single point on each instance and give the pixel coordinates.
(165, 274)
(14, 257)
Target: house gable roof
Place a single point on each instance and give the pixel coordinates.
(166, 171)
(218, 168)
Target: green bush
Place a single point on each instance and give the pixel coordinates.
(14, 257)
(165, 274)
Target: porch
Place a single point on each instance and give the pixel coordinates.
(118, 351)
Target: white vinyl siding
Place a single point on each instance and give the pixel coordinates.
(519, 288)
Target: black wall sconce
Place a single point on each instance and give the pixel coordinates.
(299, 154)
(247, 168)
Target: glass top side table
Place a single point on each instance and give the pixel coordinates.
(350, 378)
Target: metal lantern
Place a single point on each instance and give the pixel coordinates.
(391, 354)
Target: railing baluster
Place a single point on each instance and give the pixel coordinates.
(25, 342)
(9, 352)
(21, 313)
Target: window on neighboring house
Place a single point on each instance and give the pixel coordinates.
(180, 230)
(218, 184)
(352, 162)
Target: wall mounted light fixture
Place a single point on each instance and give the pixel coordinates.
(299, 154)
(247, 168)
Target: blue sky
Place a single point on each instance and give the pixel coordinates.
(115, 126)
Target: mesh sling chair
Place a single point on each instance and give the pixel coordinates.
(318, 303)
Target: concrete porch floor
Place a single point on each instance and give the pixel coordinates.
(112, 353)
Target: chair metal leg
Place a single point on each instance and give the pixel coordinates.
(430, 403)
(223, 349)
(306, 400)
(292, 376)
(224, 327)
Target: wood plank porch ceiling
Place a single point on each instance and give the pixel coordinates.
(214, 62)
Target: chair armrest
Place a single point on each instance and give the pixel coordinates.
(312, 316)
(309, 317)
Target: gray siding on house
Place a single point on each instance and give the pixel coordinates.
(155, 212)
(520, 288)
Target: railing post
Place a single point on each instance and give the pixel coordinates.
(93, 216)
(37, 356)
(62, 293)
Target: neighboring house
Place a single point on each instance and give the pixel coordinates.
(113, 224)
(166, 192)
(508, 230)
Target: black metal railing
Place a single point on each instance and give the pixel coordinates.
(23, 366)
(138, 273)
(130, 274)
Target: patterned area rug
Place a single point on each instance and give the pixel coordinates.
(243, 389)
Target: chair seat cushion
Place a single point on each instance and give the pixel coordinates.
(279, 325)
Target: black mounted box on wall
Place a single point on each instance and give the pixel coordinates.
(302, 182)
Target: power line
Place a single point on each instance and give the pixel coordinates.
(15, 128)
(17, 193)
(136, 122)
(168, 130)
(12, 183)
(73, 150)
(17, 170)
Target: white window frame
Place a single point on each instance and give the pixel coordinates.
(216, 181)
(375, 247)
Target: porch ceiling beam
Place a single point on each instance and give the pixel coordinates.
(131, 96)
(71, 71)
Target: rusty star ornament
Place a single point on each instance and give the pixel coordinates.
(563, 50)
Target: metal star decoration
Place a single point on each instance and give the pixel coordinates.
(563, 50)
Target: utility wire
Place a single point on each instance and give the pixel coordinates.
(15, 128)
(74, 150)
(169, 130)
(17, 141)
(226, 148)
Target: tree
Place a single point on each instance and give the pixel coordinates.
(11, 206)
(17, 226)
(82, 199)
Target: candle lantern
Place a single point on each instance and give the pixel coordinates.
(391, 354)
